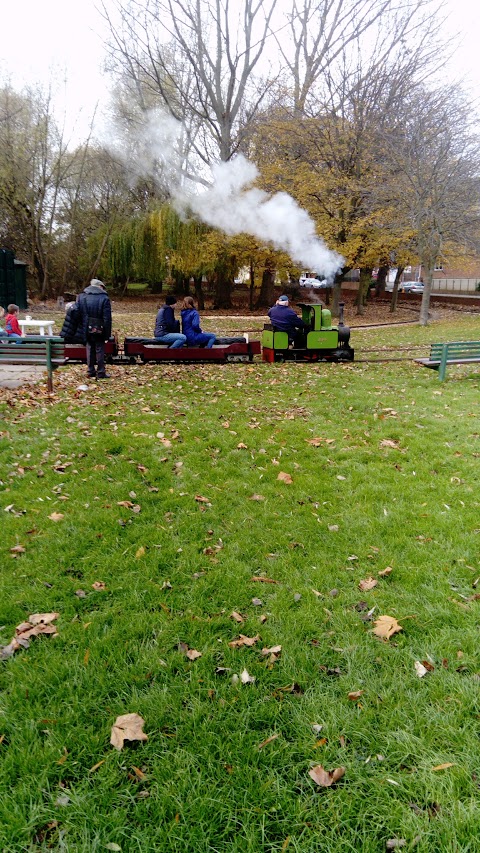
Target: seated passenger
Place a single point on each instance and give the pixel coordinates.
(70, 331)
(13, 330)
(284, 319)
(191, 326)
(167, 329)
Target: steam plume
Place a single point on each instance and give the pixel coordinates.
(227, 200)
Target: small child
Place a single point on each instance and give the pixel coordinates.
(12, 328)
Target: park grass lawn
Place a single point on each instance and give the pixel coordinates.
(391, 481)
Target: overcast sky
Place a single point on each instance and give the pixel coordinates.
(41, 35)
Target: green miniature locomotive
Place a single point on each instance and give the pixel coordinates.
(320, 341)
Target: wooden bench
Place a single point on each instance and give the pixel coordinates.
(34, 349)
(455, 352)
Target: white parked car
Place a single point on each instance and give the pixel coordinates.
(313, 282)
(412, 287)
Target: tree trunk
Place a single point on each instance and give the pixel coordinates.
(427, 282)
(363, 285)
(337, 294)
(393, 303)
(252, 285)
(266, 296)
(223, 290)
(199, 292)
(381, 280)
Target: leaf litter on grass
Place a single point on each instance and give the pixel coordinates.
(38, 623)
(283, 614)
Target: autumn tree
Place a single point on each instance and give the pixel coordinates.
(34, 163)
(435, 178)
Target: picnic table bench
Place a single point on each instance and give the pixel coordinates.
(34, 349)
(454, 352)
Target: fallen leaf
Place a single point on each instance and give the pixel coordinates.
(256, 498)
(17, 549)
(99, 585)
(367, 583)
(443, 766)
(140, 553)
(395, 843)
(96, 766)
(420, 669)
(242, 446)
(268, 740)
(355, 694)
(244, 641)
(141, 776)
(257, 602)
(127, 727)
(80, 593)
(387, 442)
(263, 580)
(201, 500)
(115, 848)
(325, 778)
(386, 627)
(245, 678)
(126, 504)
(275, 650)
(385, 572)
(285, 478)
(56, 516)
(237, 616)
(192, 654)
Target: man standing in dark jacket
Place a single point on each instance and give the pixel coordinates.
(95, 326)
(167, 329)
(284, 319)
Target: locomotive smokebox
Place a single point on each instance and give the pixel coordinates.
(343, 330)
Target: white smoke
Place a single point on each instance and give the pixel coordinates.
(226, 200)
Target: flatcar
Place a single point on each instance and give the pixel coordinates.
(320, 341)
(145, 350)
(224, 350)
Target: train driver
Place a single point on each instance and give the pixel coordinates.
(284, 319)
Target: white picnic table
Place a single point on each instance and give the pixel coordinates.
(41, 325)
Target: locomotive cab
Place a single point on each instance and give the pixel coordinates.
(318, 319)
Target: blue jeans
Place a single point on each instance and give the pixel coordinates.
(173, 339)
(203, 339)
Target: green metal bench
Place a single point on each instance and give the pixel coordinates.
(455, 352)
(35, 349)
